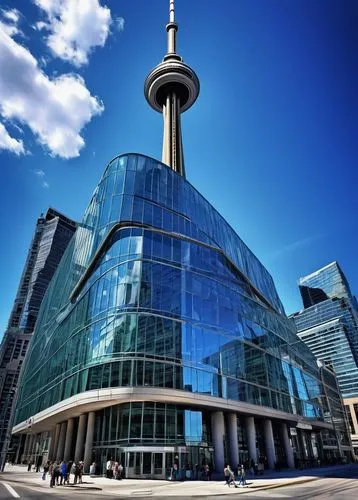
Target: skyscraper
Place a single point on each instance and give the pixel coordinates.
(329, 326)
(53, 231)
(162, 341)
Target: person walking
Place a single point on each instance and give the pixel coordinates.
(242, 479)
(76, 469)
(46, 469)
(63, 473)
(229, 476)
(53, 474)
(80, 471)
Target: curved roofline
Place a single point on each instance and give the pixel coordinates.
(221, 216)
(97, 399)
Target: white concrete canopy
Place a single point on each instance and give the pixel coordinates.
(102, 398)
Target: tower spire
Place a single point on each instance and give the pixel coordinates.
(171, 11)
(171, 88)
(172, 29)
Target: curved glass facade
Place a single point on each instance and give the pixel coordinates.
(156, 290)
(169, 297)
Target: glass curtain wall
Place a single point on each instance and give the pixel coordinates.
(157, 290)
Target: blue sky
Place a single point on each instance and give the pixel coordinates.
(271, 142)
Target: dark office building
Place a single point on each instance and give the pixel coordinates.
(52, 234)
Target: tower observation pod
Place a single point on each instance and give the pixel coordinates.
(171, 88)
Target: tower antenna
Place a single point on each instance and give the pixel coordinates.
(171, 88)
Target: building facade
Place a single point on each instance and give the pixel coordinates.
(52, 233)
(329, 326)
(161, 335)
(162, 342)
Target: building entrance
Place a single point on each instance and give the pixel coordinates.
(150, 462)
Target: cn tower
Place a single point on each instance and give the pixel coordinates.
(171, 88)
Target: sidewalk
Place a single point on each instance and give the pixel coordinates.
(137, 487)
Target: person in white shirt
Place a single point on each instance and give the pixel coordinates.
(109, 472)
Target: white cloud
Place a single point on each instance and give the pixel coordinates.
(9, 29)
(39, 173)
(294, 246)
(9, 143)
(12, 15)
(75, 27)
(55, 109)
(11, 19)
(45, 184)
(119, 23)
(40, 25)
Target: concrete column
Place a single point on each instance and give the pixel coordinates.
(251, 438)
(69, 439)
(26, 446)
(269, 444)
(218, 433)
(31, 443)
(232, 435)
(61, 442)
(53, 455)
(89, 440)
(22, 442)
(51, 443)
(287, 446)
(80, 441)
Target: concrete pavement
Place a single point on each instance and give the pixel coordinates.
(18, 475)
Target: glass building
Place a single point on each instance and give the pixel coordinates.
(52, 234)
(329, 326)
(161, 333)
(162, 341)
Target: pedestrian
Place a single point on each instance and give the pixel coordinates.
(76, 471)
(242, 479)
(206, 472)
(109, 469)
(63, 473)
(93, 469)
(29, 466)
(187, 471)
(80, 473)
(116, 470)
(50, 472)
(226, 475)
(229, 476)
(46, 469)
(175, 471)
(114, 466)
(69, 470)
(120, 468)
(57, 472)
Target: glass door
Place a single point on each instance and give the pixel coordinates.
(134, 463)
(146, 463)
(158, 465)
